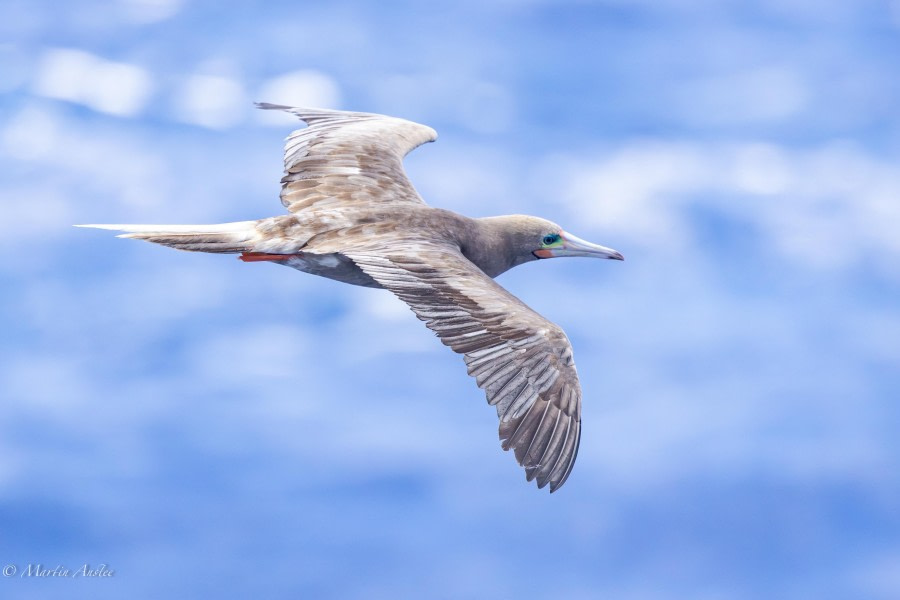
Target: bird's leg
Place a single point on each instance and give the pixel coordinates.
(261, 256)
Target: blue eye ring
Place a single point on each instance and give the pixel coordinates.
(550, 239)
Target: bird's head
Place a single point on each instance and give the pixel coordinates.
(544, 239)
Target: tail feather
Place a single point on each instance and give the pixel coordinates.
(228, 238)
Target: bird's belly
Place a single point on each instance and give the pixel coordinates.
(333, 266)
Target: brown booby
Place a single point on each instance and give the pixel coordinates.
(355, 217)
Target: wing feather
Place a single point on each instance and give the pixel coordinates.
(348, 159)
(522, 360)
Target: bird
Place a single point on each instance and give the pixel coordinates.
(355, 217)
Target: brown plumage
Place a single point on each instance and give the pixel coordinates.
(356, 218)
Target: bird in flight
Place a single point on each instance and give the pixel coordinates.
(355, 217)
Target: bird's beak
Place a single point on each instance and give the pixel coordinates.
(575, 246)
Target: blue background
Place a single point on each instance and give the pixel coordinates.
(205, 426)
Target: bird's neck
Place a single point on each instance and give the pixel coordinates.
(492, 250)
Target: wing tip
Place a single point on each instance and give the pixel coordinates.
(309, 113)
(555, 484)
(532, 473)
(304, 112)
(271, 106)
(559, 472)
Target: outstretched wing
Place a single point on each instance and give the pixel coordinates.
(348, 158)
(522, 361)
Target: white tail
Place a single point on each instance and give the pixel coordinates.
(229, 238)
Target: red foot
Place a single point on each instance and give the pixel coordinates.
(261, 256)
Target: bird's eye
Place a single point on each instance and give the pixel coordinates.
(550, 239)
